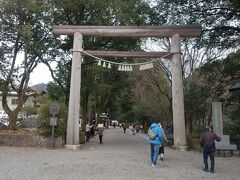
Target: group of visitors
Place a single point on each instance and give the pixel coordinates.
(156, 141)
(90, 131)
(133, 128)
(207, 141)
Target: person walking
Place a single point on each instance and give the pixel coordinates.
(92, 130)
(207, 142)
(124, 126)
(161, 149)
(155, 142)
(137, 127)
(88, 132)
(131, 129)
(141, 128)
(100, 129)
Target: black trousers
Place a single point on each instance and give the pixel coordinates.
(161, 150)
(88, 134)
(212, 159)
(100, 138)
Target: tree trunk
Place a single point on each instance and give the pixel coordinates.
(189, 125)
(12, 120)
(13, 114)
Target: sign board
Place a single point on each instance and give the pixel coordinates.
(53, 121)
(103, 115)
(54, 109)
(100, 126)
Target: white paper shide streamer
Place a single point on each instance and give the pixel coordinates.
(146, 66)
(125, 68)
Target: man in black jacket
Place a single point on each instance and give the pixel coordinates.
(207, 142)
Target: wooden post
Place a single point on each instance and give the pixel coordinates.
(177, 95)
(74, 100)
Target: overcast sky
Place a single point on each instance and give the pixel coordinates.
(41, 74)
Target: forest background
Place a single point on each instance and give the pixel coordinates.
(210, 63)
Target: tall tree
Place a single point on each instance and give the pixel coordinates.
(214, 80)
(24, 30)
(220, 35)
(219, 19)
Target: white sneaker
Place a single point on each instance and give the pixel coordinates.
(161, 156)
(153, 166)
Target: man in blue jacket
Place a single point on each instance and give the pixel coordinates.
(155, 143)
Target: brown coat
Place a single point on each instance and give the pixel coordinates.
(124, 125)
(101, 130)
(208, 136)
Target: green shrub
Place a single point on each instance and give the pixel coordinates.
(232, 129)
(197, 131)
(44, 115)
(30, 110)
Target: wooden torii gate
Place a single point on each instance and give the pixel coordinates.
(173, 32)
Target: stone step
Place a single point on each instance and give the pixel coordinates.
(224, 139)
(224, 146)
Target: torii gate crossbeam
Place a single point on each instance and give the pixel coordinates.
(174, 32)
(129, 31)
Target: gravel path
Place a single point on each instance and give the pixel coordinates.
(121, 156)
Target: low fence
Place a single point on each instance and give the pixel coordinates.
(31, 121)
(29, 140)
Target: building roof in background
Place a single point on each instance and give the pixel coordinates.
(36, 89)
(12, 93)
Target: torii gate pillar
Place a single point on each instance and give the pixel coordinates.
(177, 95)
(72, 141)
